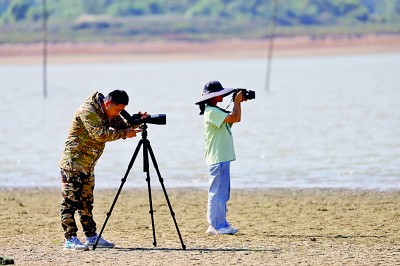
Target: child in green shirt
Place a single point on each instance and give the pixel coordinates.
(219, 152)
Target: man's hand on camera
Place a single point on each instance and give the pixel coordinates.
(144, 115)
(130, 133)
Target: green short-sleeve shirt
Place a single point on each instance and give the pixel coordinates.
(218, 136)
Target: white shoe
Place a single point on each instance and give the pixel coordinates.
(234, 230)
(74, 244)
(90, 241)
(222, 231)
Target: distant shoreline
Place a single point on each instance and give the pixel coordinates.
(228, 49)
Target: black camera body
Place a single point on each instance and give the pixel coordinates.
(247, 94)
(136, 119)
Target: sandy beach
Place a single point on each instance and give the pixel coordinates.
(276, 227)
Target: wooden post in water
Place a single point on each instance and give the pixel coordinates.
(44, 48)
(274, 9)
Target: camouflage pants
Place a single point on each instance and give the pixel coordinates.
(77, 193)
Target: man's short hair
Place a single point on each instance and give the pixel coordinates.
(118, 97)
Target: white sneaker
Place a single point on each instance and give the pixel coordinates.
(234, 230)
(222, 231)
(90, 241)
(74, 244)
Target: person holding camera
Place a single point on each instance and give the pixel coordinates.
(95, 122)
(219, 152)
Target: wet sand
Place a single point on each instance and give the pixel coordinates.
(276, 227)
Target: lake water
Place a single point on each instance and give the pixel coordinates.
(328, 122)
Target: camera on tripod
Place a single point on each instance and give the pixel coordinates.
(148, 154)
(136, 119)
(247, 94)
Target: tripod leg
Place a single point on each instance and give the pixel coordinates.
(146, 169)
(147, 144)
(119, 190)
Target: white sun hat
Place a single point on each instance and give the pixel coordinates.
(213, 89)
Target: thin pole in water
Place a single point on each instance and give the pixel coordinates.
(44, 48)
(274, 9)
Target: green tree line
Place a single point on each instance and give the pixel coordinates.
(194, 17)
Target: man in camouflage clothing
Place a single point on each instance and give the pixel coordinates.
(95, 122)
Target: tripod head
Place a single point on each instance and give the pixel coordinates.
(143, 127)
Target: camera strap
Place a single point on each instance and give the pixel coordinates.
(229, 105)
(223, 110)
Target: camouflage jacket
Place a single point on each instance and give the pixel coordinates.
(88, 134)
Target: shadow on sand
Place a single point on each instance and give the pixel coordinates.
(200, 249)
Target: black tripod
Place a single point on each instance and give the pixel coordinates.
(146, 151)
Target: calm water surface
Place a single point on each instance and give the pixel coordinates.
(324, 122)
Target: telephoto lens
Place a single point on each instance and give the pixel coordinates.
(136, 119)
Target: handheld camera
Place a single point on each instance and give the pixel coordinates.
(247, 94)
